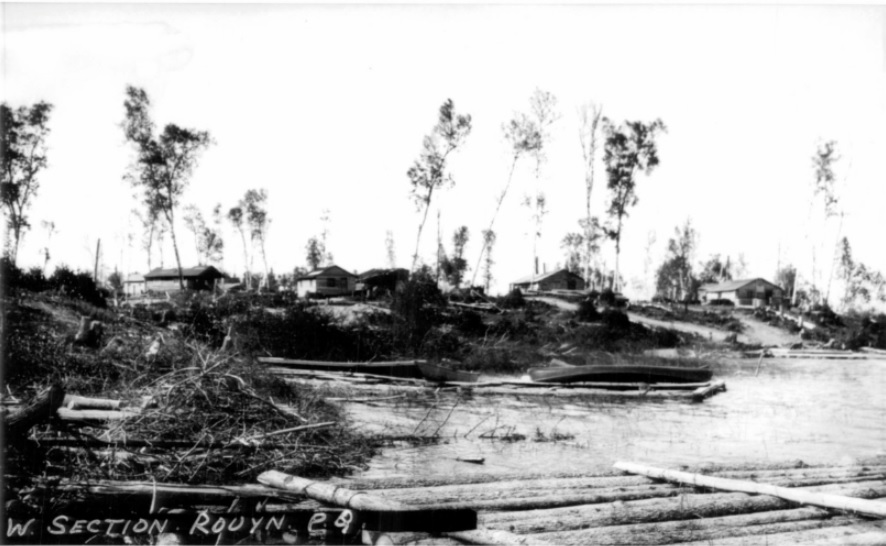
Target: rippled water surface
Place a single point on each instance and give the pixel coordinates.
(814, 410)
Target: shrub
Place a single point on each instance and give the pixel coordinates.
(513, 300)
(607, 297)
(587, 311)
(416, 308)
(77, 285)
(469, 323)
(615, 321)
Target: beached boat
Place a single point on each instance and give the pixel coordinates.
(395, 368)
(442, 374)
(621, 374)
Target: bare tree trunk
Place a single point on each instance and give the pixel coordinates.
(421, 227)
(614, 284)
(494, 216)
(178, 261)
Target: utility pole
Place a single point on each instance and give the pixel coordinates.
(98, 250)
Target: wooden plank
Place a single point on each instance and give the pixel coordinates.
(394, 368)
(838, 502)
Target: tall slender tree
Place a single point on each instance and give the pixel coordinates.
(523, 136)
(628, 149)
(389, 249)
(23, 133)
(489, 242)
(543, 106)
(236, 217)
(257, 217)
(429, 174)
(589, 115)
(164, 162)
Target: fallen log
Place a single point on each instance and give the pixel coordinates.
(41, 409)
(66, 414)
(823, 500)
(75, 402)
(873, 351)
(683, 507)
(527, 499)
(744, 525)
(701, 393)
(857, 534)
(379, 512)
(609, 478)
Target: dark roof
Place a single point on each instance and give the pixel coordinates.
(380, 272)
(730, 286)
(323, 271)
(204, 271)
(538, 278)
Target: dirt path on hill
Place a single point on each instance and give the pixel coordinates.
(756, 332)
(764, 334)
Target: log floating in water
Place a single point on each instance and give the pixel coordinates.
(701, 393)
(393, 368)
(823, 500)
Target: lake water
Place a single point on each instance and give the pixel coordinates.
(817, 411)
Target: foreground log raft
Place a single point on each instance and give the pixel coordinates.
(630, 504)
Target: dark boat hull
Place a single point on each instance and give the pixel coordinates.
(442, 374)
(621, 374)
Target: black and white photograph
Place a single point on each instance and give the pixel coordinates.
(443, 273)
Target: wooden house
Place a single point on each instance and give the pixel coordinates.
(204, 277)
(325, 282)
(134, 285)
(743, 293)
(562, 279)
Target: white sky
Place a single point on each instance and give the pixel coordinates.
(326, 107)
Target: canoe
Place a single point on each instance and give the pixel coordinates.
(442, 374)
(393, 368)
(621, 374)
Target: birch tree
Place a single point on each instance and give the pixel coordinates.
(523, 136)
(23, 133)
(236, 217)
(589, 115)
(257, 217)
(629, 149)
(164, 163)
(429, 174)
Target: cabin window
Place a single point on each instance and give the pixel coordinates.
(330, 283)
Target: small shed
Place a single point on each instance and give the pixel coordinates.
(204, 277)
(327, 281)
(743, 293)
(562, 279)
(134, 285)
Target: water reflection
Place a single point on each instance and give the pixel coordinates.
(817, 411)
